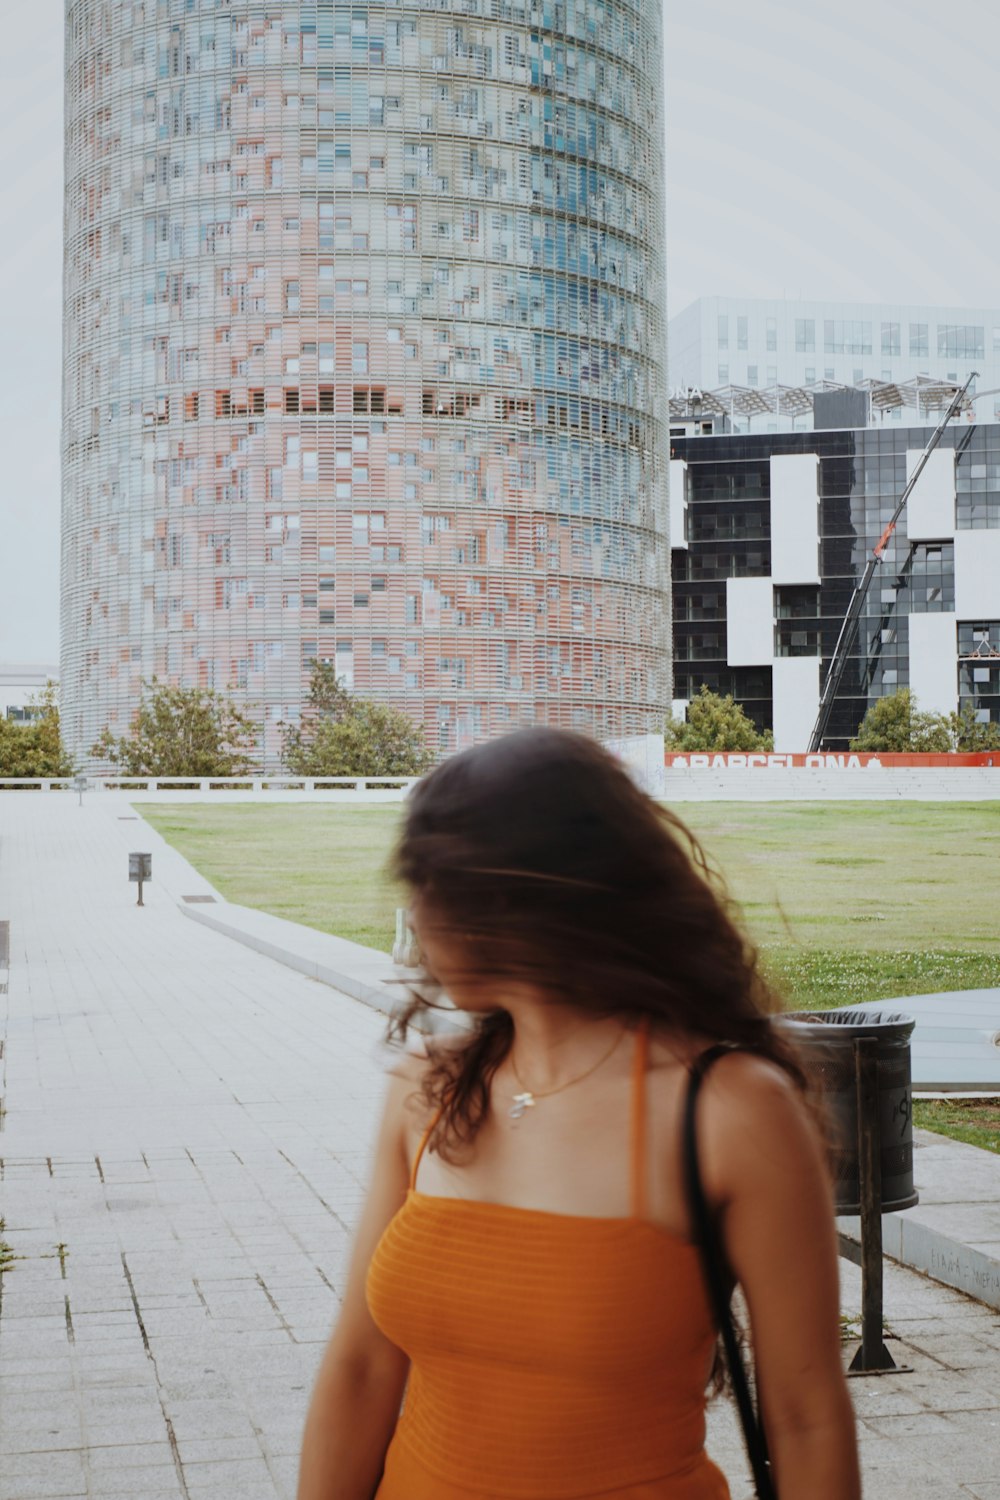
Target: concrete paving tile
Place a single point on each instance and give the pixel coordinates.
(129, 1456)
(166, 1490)
(208, 1419)
(53, 1475)
(216, 1449)
(47, 1391)
(910, 1425)
(870, 1401)
(959, 1352)
(61, 1466)
(134, 1481)
(249, 1489)
(286, 1445)
(956, 1458)
(950, 1391)
(113, 1433)
(62, 1432)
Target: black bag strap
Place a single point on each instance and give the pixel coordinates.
(719, 1281)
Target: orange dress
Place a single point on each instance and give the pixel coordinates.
(553, 1356)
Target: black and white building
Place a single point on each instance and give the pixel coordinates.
(771, 531)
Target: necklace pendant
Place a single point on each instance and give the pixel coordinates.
(522, 1103)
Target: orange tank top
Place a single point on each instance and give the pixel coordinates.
(552, 1355)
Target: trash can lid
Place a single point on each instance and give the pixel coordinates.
(848, 1022)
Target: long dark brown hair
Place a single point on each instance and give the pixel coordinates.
(540, 852)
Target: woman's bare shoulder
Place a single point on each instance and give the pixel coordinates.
(746, 1076)
(754, 1123)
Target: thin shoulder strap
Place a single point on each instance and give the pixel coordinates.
(423, 1146)
(638, 1169)
(718, 1278)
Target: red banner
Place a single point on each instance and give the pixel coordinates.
(841, 760)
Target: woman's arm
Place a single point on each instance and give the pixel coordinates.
(763, 1166)
(356, 1399)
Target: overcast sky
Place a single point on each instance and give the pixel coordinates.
(848, 151)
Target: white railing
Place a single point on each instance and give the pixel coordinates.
(208, 783)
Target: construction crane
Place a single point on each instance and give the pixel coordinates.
(849, 626)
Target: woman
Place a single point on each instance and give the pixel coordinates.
(523, 1268)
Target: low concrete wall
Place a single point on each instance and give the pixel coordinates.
(363, 973)
(772, 783)
(828, 784)
(938, 1254)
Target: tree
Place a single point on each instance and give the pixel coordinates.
(342, 735)
(894, 724)
(35, 748)
(181, 732)
(716, 723)
(969, 734)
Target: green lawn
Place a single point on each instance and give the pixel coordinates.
(974, 1121)
(850, 902)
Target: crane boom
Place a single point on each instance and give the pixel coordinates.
(849, 625)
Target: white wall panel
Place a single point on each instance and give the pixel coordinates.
(930, 510)
(749, 622)
(933, 662)
(678, 507)
(977, 575)
(796, 701)
(795, 518)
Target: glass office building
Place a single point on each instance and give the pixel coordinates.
(364, 332)
(770, 534)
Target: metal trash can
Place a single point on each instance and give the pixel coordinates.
(825, 1039)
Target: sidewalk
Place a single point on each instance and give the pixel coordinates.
(183, 1154)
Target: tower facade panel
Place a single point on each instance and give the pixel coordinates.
(364, 360)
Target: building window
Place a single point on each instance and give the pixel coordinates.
(977, 483)
(771, 335)
(742, 333)
(723, 374)
(846, 336)
(723, 331)
(796, 620)
(919, 341)
(931, 580)
(805, 335)
(960, 341)
(751, 374)
(979, 668)
(891, 342)
(291, 296)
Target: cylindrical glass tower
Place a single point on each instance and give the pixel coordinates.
(364, 360)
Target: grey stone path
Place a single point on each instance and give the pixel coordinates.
(183, 1152)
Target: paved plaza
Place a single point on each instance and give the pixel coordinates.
(184, 1145)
